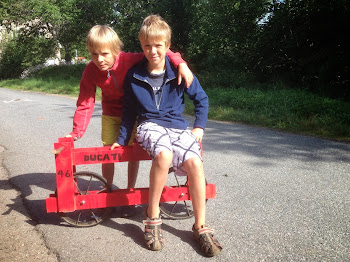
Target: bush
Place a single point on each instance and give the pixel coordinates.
(61, 72)
(11, 62)
(22, 53)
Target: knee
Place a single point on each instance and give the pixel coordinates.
(194, 164)
(164, 158)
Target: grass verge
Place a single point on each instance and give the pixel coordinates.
(276, 107)
(289, 110)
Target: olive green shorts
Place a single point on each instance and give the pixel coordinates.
(110, 130)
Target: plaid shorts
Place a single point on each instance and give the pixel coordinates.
(154, 139)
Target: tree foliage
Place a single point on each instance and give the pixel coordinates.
(305, 42)
(65, 21)
(300, 42)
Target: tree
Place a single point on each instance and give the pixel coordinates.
(177, 13)
(66, 21)
(223, 31)
(305, 43)
(128, 17)
(31, 42)
(77, 17)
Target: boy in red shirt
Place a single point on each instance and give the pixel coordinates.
(107, 70)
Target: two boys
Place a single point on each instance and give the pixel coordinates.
(107, 70)
(154, 97)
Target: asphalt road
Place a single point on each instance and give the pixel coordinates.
(280, 196)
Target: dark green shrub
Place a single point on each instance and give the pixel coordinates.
(22, 53)
(60, 72)
(11, 61)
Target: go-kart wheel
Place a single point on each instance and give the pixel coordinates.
(88, 183)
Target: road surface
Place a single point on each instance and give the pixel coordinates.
(280, 196)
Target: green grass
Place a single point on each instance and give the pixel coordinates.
(272, 106)
(53, 80)
(48, 85)
(289, 110)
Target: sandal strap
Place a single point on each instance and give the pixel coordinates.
(205, 230)
(152, 222)
(153, 234)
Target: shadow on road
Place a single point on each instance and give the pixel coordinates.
(36, 208)
(266, 143)
(135, 232)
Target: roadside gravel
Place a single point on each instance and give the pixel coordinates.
(19, 239)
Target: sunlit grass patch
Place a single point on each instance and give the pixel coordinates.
(272, 106)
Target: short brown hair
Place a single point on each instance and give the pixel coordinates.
(103, 36)
(155, 28)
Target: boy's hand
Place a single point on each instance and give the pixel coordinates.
(185, 73)
(198, 133)
(115, 145)
(75, 138)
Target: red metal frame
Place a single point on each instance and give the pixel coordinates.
(66, 199)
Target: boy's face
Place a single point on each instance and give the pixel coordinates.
(155, 51)
(103, 58)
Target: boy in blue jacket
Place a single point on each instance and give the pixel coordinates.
(153, 97)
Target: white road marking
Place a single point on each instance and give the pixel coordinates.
(17, 100)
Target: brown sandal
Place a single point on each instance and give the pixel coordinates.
(153, 234)
(208, 243)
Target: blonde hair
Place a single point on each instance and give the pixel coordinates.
(103, 36)
(155, 28)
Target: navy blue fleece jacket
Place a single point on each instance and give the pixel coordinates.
(139, 101)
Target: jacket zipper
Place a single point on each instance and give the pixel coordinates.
(161, 95)
(109, 73)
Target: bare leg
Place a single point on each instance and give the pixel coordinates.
(203, 235)
(108, 172)
(195, 172)
(158, 177)
(133, 169)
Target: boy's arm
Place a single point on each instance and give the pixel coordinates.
(129, 115)
(85, 108)
(198, 133)
(184, 72)
(201, 107)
